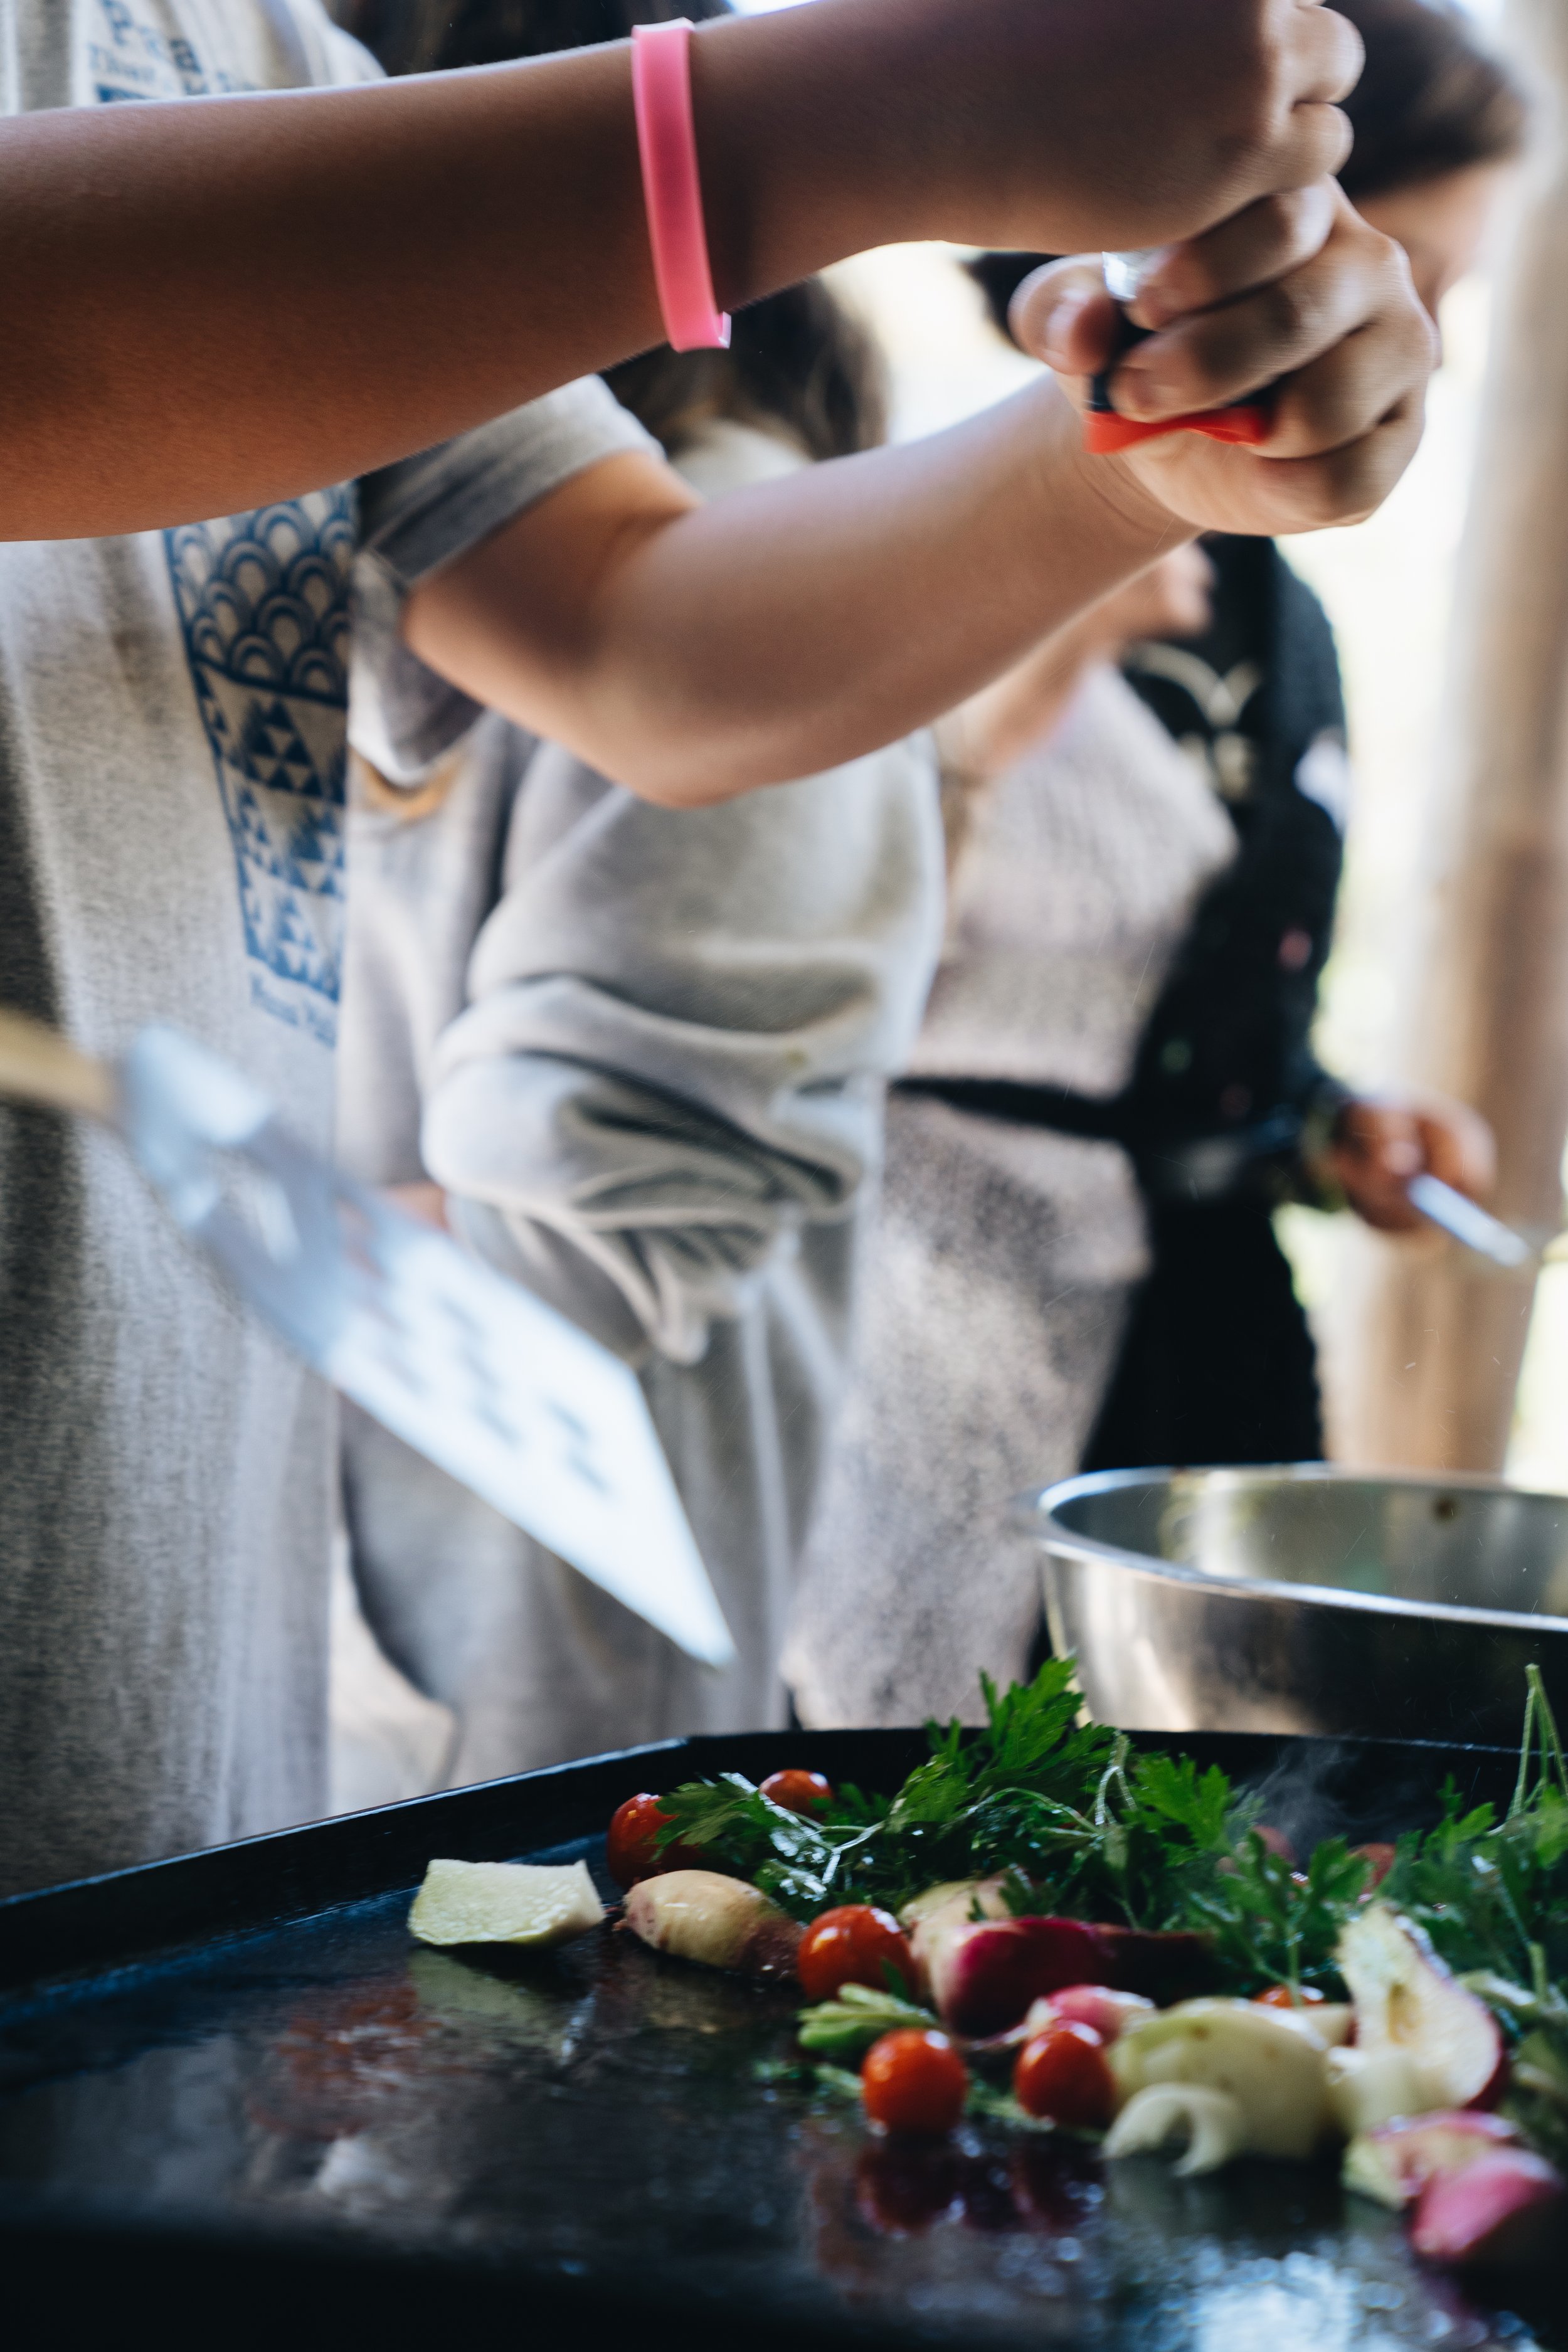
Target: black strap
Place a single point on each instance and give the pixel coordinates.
(1102, 1117)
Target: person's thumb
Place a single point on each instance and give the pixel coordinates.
(1064, 316)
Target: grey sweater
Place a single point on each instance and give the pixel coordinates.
(645, 1052)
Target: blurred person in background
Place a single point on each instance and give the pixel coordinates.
(648, 1056)
(1077, 1115)
(998, 1274)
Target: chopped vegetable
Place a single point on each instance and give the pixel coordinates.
(698, 1914)
(1407, 2001)
(504, 1903)
(1109, 2012)
(855, 1943)
(1393, 2165)
(1269, 2062)
(914, 2081)
(1507, 2206)
(1370, 2088)
(1062, 2073)
(1210, 2122)
(983, 1977)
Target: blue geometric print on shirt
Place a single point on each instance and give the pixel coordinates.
(264, 603)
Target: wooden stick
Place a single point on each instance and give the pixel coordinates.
(1435, 1353)
(37, 1065)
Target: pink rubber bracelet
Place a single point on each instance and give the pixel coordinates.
(666, 144)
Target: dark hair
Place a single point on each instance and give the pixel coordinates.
(1432, 100)
(797, 359)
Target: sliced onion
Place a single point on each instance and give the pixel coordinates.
(1211, 2122)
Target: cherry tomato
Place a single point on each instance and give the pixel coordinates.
(855, 1943)
(914, 2081)
(629, 1846)
(1381, 1857)
(1062, 2073)
(798, 1791)
(1281, 1997)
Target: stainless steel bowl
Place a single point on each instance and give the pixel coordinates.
(1306, 1599)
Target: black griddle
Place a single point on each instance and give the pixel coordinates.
(237, 2105)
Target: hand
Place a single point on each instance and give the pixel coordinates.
(1299, 294)
(1052, 128)
(1378, 1146)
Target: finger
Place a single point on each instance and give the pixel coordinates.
(1311, 144)
(1337, 487)
(1339, 398)
(1204, 360)
(1327, 53)
(1277, 235)
(1064, 316)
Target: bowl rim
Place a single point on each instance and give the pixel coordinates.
(1034, 1512)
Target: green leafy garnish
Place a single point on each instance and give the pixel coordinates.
(848, 2025)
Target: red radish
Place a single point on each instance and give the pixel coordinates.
(1106, 2013)
(1282, 1996)
(983, 1977)
(1277, 1842)
(944, 1911)
(1395, 2163)
(1062, 2074)
(1407, 2001)
(855, 1943)
(914, 2081)
(797, 1791)
(699, 1915)
(1507, 2206)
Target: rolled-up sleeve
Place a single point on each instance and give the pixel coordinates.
(419, 516)
(679, 1030)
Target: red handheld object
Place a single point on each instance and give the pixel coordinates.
(1104, 431)
(1244, 423)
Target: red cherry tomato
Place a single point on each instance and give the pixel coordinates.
(914, 2081)
(857, 1944)
(1062, 2073)
(798, 1791)
(629, 1846)
(1281, 1997)
(1381, 1858)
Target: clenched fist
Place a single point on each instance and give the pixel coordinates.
(1295, 297)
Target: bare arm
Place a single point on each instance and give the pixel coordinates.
(691, 652)
(423, 255)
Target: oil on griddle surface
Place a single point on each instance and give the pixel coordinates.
(597, 2112)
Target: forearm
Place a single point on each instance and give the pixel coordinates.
(223, 300)
(792, 626)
